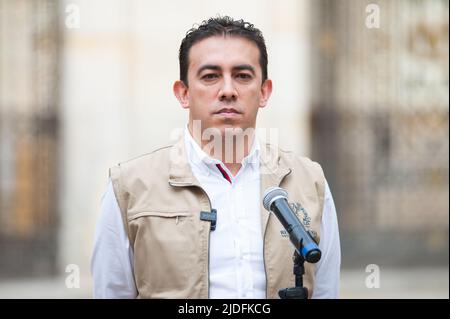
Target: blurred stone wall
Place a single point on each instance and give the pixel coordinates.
(380, 126)
(30, 46)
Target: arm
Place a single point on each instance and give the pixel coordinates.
(328, 268)
(112, 258)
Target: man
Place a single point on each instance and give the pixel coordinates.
(187, 221)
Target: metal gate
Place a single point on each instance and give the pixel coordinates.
(380, 126)
(29, 66)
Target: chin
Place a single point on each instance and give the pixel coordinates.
(236, 128)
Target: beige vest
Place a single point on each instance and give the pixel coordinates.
(161, 200)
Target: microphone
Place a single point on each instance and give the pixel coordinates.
(275, 200)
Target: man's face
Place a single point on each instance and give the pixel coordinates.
(225, 86)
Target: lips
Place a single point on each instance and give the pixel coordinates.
(228, 111)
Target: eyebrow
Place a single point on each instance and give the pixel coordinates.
(208, 67)
(213, 67)
(247, 67)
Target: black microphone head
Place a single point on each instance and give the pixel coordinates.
(271, 194)
(313, 256)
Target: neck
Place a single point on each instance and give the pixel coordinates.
(230, 147)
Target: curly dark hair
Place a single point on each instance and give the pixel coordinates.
(221, 26)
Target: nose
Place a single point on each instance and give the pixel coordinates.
(228, 91)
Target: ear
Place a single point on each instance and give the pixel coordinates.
(181, 92)
(266, 91)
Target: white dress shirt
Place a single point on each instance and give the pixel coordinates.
(236, 268)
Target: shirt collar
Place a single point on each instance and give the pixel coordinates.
(205, 163)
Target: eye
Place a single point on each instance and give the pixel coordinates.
(210, 76)
(244, 76)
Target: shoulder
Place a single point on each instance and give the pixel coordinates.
(302, 170)
(156, 160)
(156, 154)
(298, 162)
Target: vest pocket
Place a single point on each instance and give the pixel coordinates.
(161, 214)
(160, 221)
(166, 251)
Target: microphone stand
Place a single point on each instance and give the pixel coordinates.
(297, 292)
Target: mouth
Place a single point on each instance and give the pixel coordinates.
(227, 111)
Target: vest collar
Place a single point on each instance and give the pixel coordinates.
(272, 170)
(180, 173)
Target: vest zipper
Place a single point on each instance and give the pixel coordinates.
(209, 236)
(209, 228)
(264, 259)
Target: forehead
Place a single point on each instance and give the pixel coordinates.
(224, 51)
